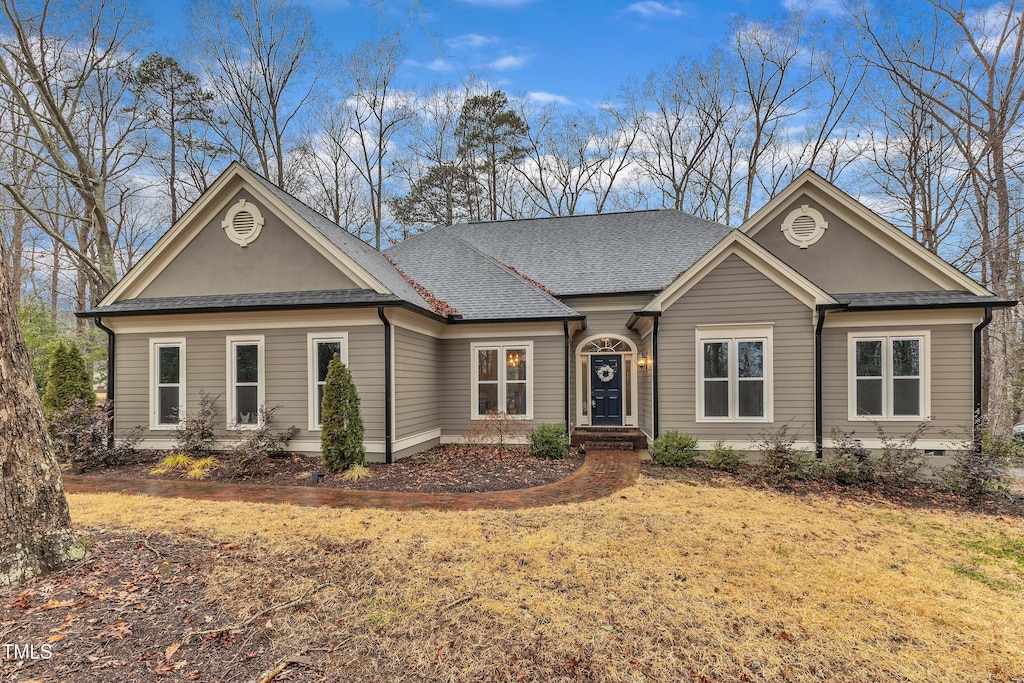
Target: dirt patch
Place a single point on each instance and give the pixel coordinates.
(918, 496)
(124, 614)
(443, 469)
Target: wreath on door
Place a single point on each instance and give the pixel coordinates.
(606, 373)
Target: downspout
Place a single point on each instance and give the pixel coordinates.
(977, 376)
(565, 328)
(654, 378)
(388, 455)
(111, 345)
(818, 410)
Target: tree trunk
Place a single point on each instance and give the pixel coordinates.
(35, 525)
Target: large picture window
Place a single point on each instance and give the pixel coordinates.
(734, 373)
(245, 391)
(502, 379)
(322, 348)
(167, 358)
(887, 376)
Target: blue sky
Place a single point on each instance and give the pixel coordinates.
(577, 51)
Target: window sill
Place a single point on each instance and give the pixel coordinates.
(730, 420)
(480, 418)
(889, 418)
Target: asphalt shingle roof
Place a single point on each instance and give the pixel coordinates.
(360, 252)
(603, 253)
(917, 300)
(328, 298)
(476, 285)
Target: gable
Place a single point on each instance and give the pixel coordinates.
(279, 260)
(858, 252)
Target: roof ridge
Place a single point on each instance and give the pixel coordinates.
(574, 215)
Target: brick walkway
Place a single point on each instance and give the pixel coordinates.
(602, 473)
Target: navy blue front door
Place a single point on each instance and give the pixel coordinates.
(606, 390)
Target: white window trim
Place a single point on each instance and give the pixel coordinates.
(501, 346)
(312, 338)
(154, 381)
(732, 334)
(887, 337)
(261, 387)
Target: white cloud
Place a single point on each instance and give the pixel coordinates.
(470, 41)
(652, 9)
(542, 97)
(438, 64)
(833, 7)
(508, 62)
(498, 3)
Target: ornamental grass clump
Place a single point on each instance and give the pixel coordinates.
(549, 441)
(674, 449)
(341, 435)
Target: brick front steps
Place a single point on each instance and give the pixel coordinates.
(608, 438)
(603, 472)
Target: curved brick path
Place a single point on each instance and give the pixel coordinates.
(602, 473)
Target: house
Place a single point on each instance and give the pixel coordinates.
(814, 314)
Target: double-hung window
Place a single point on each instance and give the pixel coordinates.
(502, 379)
(322, 348)
(245, 381)
(888, 376)
(734, 373)
(167, 361)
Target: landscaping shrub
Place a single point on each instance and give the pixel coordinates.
(726, 458)
(549, 441)
(68, 380)
(973, 473)
(900, 463)
(498, 428)
(81, 436)
(194, 433)
(252, 450)
(341, 435)
(851, 463)
(674, 449)
(781, 462)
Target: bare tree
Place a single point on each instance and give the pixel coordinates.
(377, 112)
(266, 61)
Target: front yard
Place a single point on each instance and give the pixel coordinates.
(664, 581)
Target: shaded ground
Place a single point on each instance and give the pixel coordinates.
(443, 469)
(917, 496)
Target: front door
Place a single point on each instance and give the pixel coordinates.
(606, 390)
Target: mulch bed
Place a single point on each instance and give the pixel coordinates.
(443, 469)
(125, 614)
(917, 496)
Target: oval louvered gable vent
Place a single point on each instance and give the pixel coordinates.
(243, 223)
(804, 226)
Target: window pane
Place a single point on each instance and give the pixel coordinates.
(751, 398)
(168, 408)
(487, 364)
(247, 363)
(246, 405)
(487, 398)
(869, 397)
(869, 359)
(906, 397)
(906, 357)
(716, 399)
(515, 364)
(515, 398)
(750, 358)
(585, 376)
(716, 359)
(170, 357)
(325, 351)
(627, 387)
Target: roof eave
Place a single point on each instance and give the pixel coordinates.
(394, 303)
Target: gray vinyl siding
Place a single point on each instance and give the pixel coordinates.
(286, 376)
(417, 383)
(645, 386)
(456, 390)
(733, 293)
(952, 381)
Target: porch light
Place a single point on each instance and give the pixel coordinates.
(643, 362)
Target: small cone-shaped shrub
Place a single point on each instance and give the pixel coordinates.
(341, 435)
(67, 381)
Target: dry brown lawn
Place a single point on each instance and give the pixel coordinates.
(666, 581)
